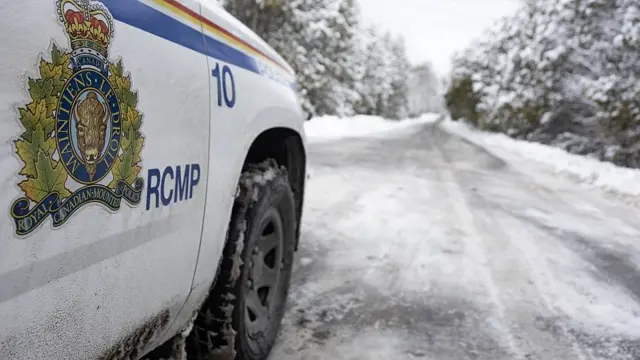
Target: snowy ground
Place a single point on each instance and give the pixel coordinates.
(590, 172)
(418, 244)
(332, 127)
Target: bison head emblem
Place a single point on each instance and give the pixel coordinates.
(91, 126)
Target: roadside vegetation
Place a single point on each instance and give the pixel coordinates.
(344, 67)
(559, 72)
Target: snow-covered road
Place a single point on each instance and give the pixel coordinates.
(420, 245)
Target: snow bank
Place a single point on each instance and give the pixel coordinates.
(590, 171)
(333, 127)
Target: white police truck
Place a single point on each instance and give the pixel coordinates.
(152, 164)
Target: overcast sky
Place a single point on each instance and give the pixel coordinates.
(434, 29)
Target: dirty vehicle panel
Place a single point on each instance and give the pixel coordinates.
(124, 125)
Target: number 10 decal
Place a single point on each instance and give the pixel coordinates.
(226, 85)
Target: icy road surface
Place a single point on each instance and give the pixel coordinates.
(420, 245)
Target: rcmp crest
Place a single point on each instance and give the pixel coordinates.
(81, 142)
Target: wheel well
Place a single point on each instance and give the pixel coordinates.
(286, 148)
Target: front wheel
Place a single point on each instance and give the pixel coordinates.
(241, 318)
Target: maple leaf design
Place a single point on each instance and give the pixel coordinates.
(36, 145)
(126, 166)
(28, 150)
(50, 176)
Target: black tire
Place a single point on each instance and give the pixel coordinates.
(224, 328)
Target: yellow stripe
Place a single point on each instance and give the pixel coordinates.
(180, 13)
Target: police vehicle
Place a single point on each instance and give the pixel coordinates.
(152, 167)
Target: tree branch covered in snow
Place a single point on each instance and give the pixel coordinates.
(343, 67)
(561, 72)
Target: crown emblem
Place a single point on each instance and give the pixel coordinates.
(90, 29)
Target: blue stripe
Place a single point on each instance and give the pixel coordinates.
(150, 20)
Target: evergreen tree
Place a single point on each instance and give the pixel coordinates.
(424, 90)
(563, 72)
(398, 103)
(342, 68)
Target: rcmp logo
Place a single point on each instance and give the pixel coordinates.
(82, 141)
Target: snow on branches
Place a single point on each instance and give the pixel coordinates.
(563, 72)
(343, 67)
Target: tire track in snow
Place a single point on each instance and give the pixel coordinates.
(418, 263)
(390, 294)
(582, 253)
(501, 241)
(473, 235)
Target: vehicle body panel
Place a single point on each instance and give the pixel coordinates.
(114, 282)
(261, 104)
(101, 274)
(93, 284)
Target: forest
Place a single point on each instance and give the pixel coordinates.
(344, 67)
(558, 72)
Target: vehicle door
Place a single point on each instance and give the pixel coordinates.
(252, 91)
(104, 140)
